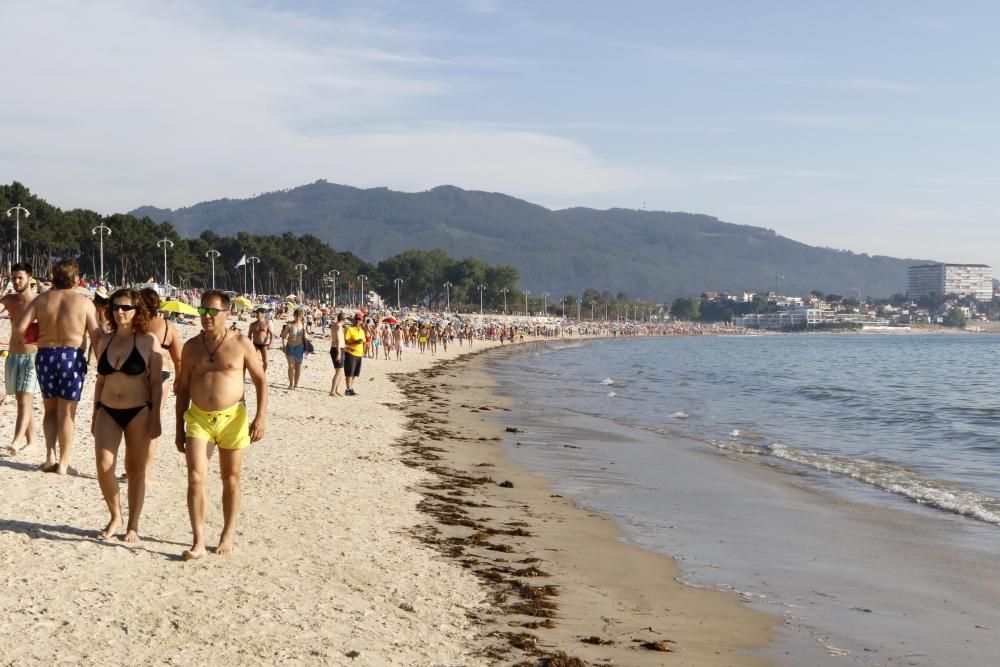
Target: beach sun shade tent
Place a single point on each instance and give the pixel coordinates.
(178, 307)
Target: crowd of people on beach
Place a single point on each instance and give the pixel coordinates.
(139, 350)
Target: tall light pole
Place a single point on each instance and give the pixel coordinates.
(212, 254)
(505, 290)
(447, 296)
(545, 304)
(100, 229)
(252, 261)
(301, 268)
(334, 273)
(564, 308)
(18, 210)
(166, 243)
(481, 288)
(399, 303)
(362, 278)
(526, 313)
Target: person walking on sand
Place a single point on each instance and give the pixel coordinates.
(354, 352)
(211, 412)
(293, 335)
(127, 402)
(65, 319)
(261, 335)
(337, 353)
(168, 346)
(19, 369)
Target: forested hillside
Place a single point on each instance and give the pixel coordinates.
(653, 255)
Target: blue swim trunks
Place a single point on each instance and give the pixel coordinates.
(19, 372)
(61, 371)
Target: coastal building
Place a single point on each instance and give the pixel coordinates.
(974, 280)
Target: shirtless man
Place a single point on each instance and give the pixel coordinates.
(65, 318)
(210, 411)
(261, 335)
(20, 366)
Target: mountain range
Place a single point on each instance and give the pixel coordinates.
(644, 254)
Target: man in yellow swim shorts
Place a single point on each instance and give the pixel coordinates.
(211, 412)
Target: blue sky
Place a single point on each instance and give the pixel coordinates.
(869, 126)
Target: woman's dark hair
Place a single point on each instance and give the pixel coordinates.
(151, 300)
(141, 318)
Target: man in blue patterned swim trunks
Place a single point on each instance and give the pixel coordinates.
(19, 368)
(65, 318)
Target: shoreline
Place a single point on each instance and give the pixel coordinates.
(557, 574)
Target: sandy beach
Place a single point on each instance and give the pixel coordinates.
(341, 554)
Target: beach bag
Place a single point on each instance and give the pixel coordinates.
(309, 349)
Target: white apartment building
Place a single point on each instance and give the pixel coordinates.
(962, 279)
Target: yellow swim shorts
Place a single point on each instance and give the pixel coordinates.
(229, 428)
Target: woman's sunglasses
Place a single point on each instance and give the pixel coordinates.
(122, 306)
(211, 312)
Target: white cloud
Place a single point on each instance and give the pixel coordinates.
(171, 104)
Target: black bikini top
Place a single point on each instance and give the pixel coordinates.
(133, 365)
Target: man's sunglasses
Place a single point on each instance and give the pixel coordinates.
(211, 312)
(122, 306)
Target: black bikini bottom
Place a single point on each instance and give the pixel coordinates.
(123, 415)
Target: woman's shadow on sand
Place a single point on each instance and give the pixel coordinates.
(67, 533)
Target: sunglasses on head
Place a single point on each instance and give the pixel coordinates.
(122, 306)
(211, 312)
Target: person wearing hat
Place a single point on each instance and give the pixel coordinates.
(354, 351)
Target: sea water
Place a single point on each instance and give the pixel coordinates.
(875, 458)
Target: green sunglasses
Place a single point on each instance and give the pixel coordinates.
(211, 312)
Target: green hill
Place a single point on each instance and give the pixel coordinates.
(646, 254)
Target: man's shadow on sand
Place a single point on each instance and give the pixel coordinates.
(66, 533)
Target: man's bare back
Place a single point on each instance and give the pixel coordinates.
(64, 318)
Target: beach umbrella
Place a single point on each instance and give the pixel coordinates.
(178, 307)
(243, 301)
(391, 320)
(291, 296)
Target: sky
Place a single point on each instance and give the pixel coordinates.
(869, 126)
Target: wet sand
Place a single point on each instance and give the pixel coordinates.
(562, 579)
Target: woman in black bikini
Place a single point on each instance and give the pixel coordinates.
(126, 402)
(169, 346)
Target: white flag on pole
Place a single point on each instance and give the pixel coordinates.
(243, 260)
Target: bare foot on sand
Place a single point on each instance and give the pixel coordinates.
(49, 466)
(132, 537)
(110, 529)
(12, 451)
(194, 553)
(225, 546)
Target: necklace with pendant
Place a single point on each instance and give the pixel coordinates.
(211, 352)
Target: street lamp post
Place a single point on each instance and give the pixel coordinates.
(545, 304)
(399, 303)
(564, 308)
(252, 261)
(526, 293)
(362, 278)
(334, 273)
(212, 254)
(166, 243)
(447, 296)
(301, 268)
(481, 288)
(18, 210)
(505, 290)
(100, 229)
